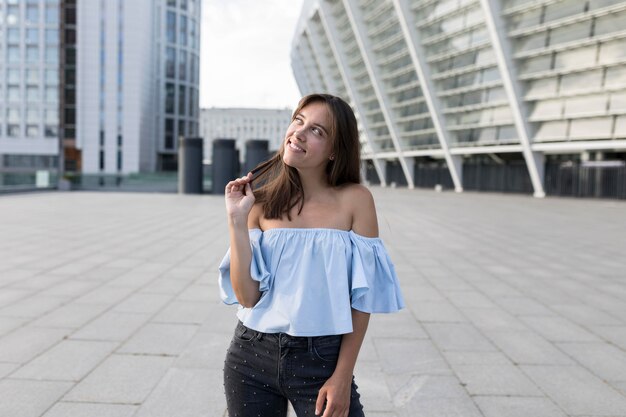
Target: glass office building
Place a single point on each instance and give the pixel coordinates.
(499, 95)
(97, 87)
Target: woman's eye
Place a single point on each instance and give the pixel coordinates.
(316, 131)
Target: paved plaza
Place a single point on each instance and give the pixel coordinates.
(516, 307)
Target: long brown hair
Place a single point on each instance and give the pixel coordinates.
(279, 185)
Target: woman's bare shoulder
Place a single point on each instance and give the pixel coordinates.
(360, 201)
(254, 218)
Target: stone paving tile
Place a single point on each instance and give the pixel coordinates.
(410, 355)
(121, 379)
(602, 359)
(471, 299)
(523, 306)
(185, 393)
(143, 303)
(577, 391)
(613, 334)
(493, 320)
(436, 311)
(7, 368)
(529, 348)
(184, 312)
(106, 294)
(559, 329)
(160, 339)
(458, 336)
(27, 342)
(70, 360)
(7, 324)
(587, 316)
(495, 380)
(372, 387)
(33, 307)
(70, 315)
(440, 407)
(67, 409)
(401, 324)
(518, 407)
(111, 326)
(476, 358)
(29, 398)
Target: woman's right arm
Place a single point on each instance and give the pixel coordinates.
(239, 203)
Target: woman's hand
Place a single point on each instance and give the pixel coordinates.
(239, 197)
(336, 394)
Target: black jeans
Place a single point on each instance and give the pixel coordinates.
(263, 371)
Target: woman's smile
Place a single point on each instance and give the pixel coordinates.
(295, 148)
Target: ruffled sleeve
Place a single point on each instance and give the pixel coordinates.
(374, 283)
(258, 270)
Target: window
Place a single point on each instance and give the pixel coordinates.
(618, 102)
(32, 14)
(32, 54)
(181, 128)
(52, 95)
(169, 98)
(32, 115)
(52, 131)
(52, 55)
(52, 15)
(13, 76)
(181, 99)
(13, 115)
(570, 33)
(52, 116)
(32, 94)
(13, 130)
(13, 35)
(13, 54)
(169, 134)
(32, 131)
(171, 27)
(182, 65)
(170, 62)
(32, 36)
(547, 108)
(52, 77)
(183, 31)
(52, 36)
(13, 93)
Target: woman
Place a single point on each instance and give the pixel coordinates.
(307, 268)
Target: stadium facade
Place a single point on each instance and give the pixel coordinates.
(496, 95)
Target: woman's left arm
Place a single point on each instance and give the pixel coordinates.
(335, 393)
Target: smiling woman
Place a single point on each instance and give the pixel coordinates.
(307, 267)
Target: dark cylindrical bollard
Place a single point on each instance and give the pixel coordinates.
(190, 166)
(224, 164)
(256, 152)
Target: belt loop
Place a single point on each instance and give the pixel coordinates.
(310, 344)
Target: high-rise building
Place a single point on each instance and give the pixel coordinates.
(502, 95)
(97, 86)
(243, 124)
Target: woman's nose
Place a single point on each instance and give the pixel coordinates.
(298, 134)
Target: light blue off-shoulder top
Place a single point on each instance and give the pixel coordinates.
(311, 278)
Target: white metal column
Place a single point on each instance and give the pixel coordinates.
(329, 25)
(302, 79)
(356, 21)
(412, 38)
(506, 65)
(309, 65)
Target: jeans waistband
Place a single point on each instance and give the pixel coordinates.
(286, 340)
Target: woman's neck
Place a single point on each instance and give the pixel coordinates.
(313, 183)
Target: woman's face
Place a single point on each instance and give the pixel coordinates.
(308, 144)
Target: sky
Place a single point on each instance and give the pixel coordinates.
(244, 56)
